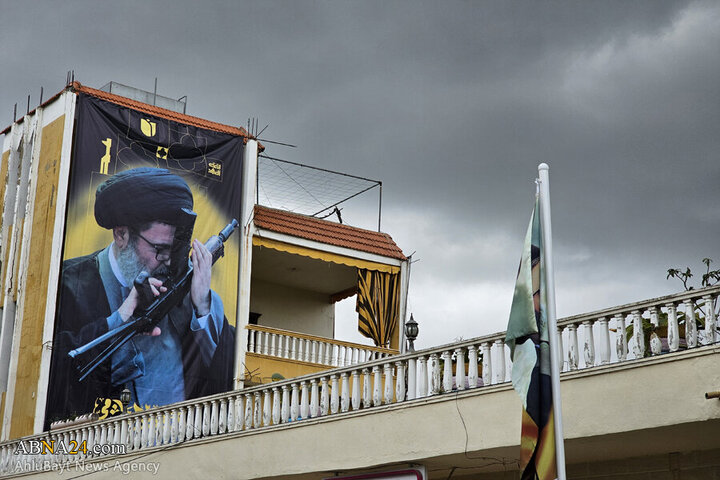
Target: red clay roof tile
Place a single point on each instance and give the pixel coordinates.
(323, 231)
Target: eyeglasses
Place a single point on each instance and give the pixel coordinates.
(162, 251)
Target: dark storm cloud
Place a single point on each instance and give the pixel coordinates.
(452, 105)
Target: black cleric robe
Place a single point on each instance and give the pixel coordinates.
(82, 313)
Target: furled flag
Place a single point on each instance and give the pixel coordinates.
(527, 336)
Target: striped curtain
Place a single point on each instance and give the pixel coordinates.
(378, 305)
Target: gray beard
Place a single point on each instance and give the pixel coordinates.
(131, 266)
(129, 263)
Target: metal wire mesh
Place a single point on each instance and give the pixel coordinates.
(305, 189)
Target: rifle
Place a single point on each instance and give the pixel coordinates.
(155, 308)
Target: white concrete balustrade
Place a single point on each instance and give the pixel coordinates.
(411, 377)
(289, 345)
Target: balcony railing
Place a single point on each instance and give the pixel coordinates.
(289, 345)
(459, 366)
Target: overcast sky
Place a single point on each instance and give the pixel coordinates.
(452, 104)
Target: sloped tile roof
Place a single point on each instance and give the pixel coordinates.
(323, 231)
(161, 112)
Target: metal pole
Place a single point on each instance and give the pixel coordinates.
(379, 206)
(546, 227)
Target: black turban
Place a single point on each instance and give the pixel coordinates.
(141, 195)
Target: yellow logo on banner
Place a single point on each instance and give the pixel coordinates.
(162, 152)
(105, 159)
(107, 407)
(215, 168)
(148, 128)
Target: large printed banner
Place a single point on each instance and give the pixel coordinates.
(141, 190)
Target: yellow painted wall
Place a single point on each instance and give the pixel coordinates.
(36, 285)
(3, 248)
(260, 368)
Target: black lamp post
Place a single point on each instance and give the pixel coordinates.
(125, 398)
(411, 332)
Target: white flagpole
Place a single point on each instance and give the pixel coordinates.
(546, 224)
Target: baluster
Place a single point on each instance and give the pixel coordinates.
(166, 427)
(314, 351)
(103, 434)
(710, 319)
(388, 373)
(434, 368)
(294, 349)
(621, 346)
(366, 395)
(412, 379)
(355, 390)
(259, 343)
(267, 407)
(604, 340)
(447, 379)
(334, 394)
(638, 334)
(266, 343)
(248, 411)
(340, 356)
(501, 371)
(206, 419)
(348, 355)
(145, 431)
(239, 413)
(214, 418)
(137, 433)
(172, 426)
(345, 393)
(460, 369)
(222, 415)
(294, 401)
(691, 336)
(307, 349)
(321, 353)
(275, 349)
(328, 354)
(190, 423)
(304, 400)
(257, 411)
(314, 400)
(472, 377)
(673, 330)
(198, 421)
(422, 390)
(276, 406)
(572, 346)
(655, 343)
(124, 437)
(251, 341)
(377, 381)
(226, 414)
(486, 363)
(399, 381)
(589, 344)
(324, 396)
(231, 414)
(181, 426)
(285, 405)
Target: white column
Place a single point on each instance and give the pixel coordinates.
(324, 396)
(710, 319)
(294, 402)
(356, 390)
(276, 406)
(399, 381)
(314, 399)
(673, 328)
(422, 377)
(572, 346)
(589, 344)
(655, 343)
(435, 378)
(377, 381)
(257, 410)
(345, 394)
(245, 232)
(604, 340)
(412, 379)
(285, 405)
(472, 367)
(460, 369)
(248, 411)
(222, 421)
(366, 395)
(690, 325)
(487, 367)
(214, 419)
(621, 346)
(334, 394)
(388, 374)
(304, 400)
(267, 407)
(638, 334)
(500, 373)
(447, 380)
